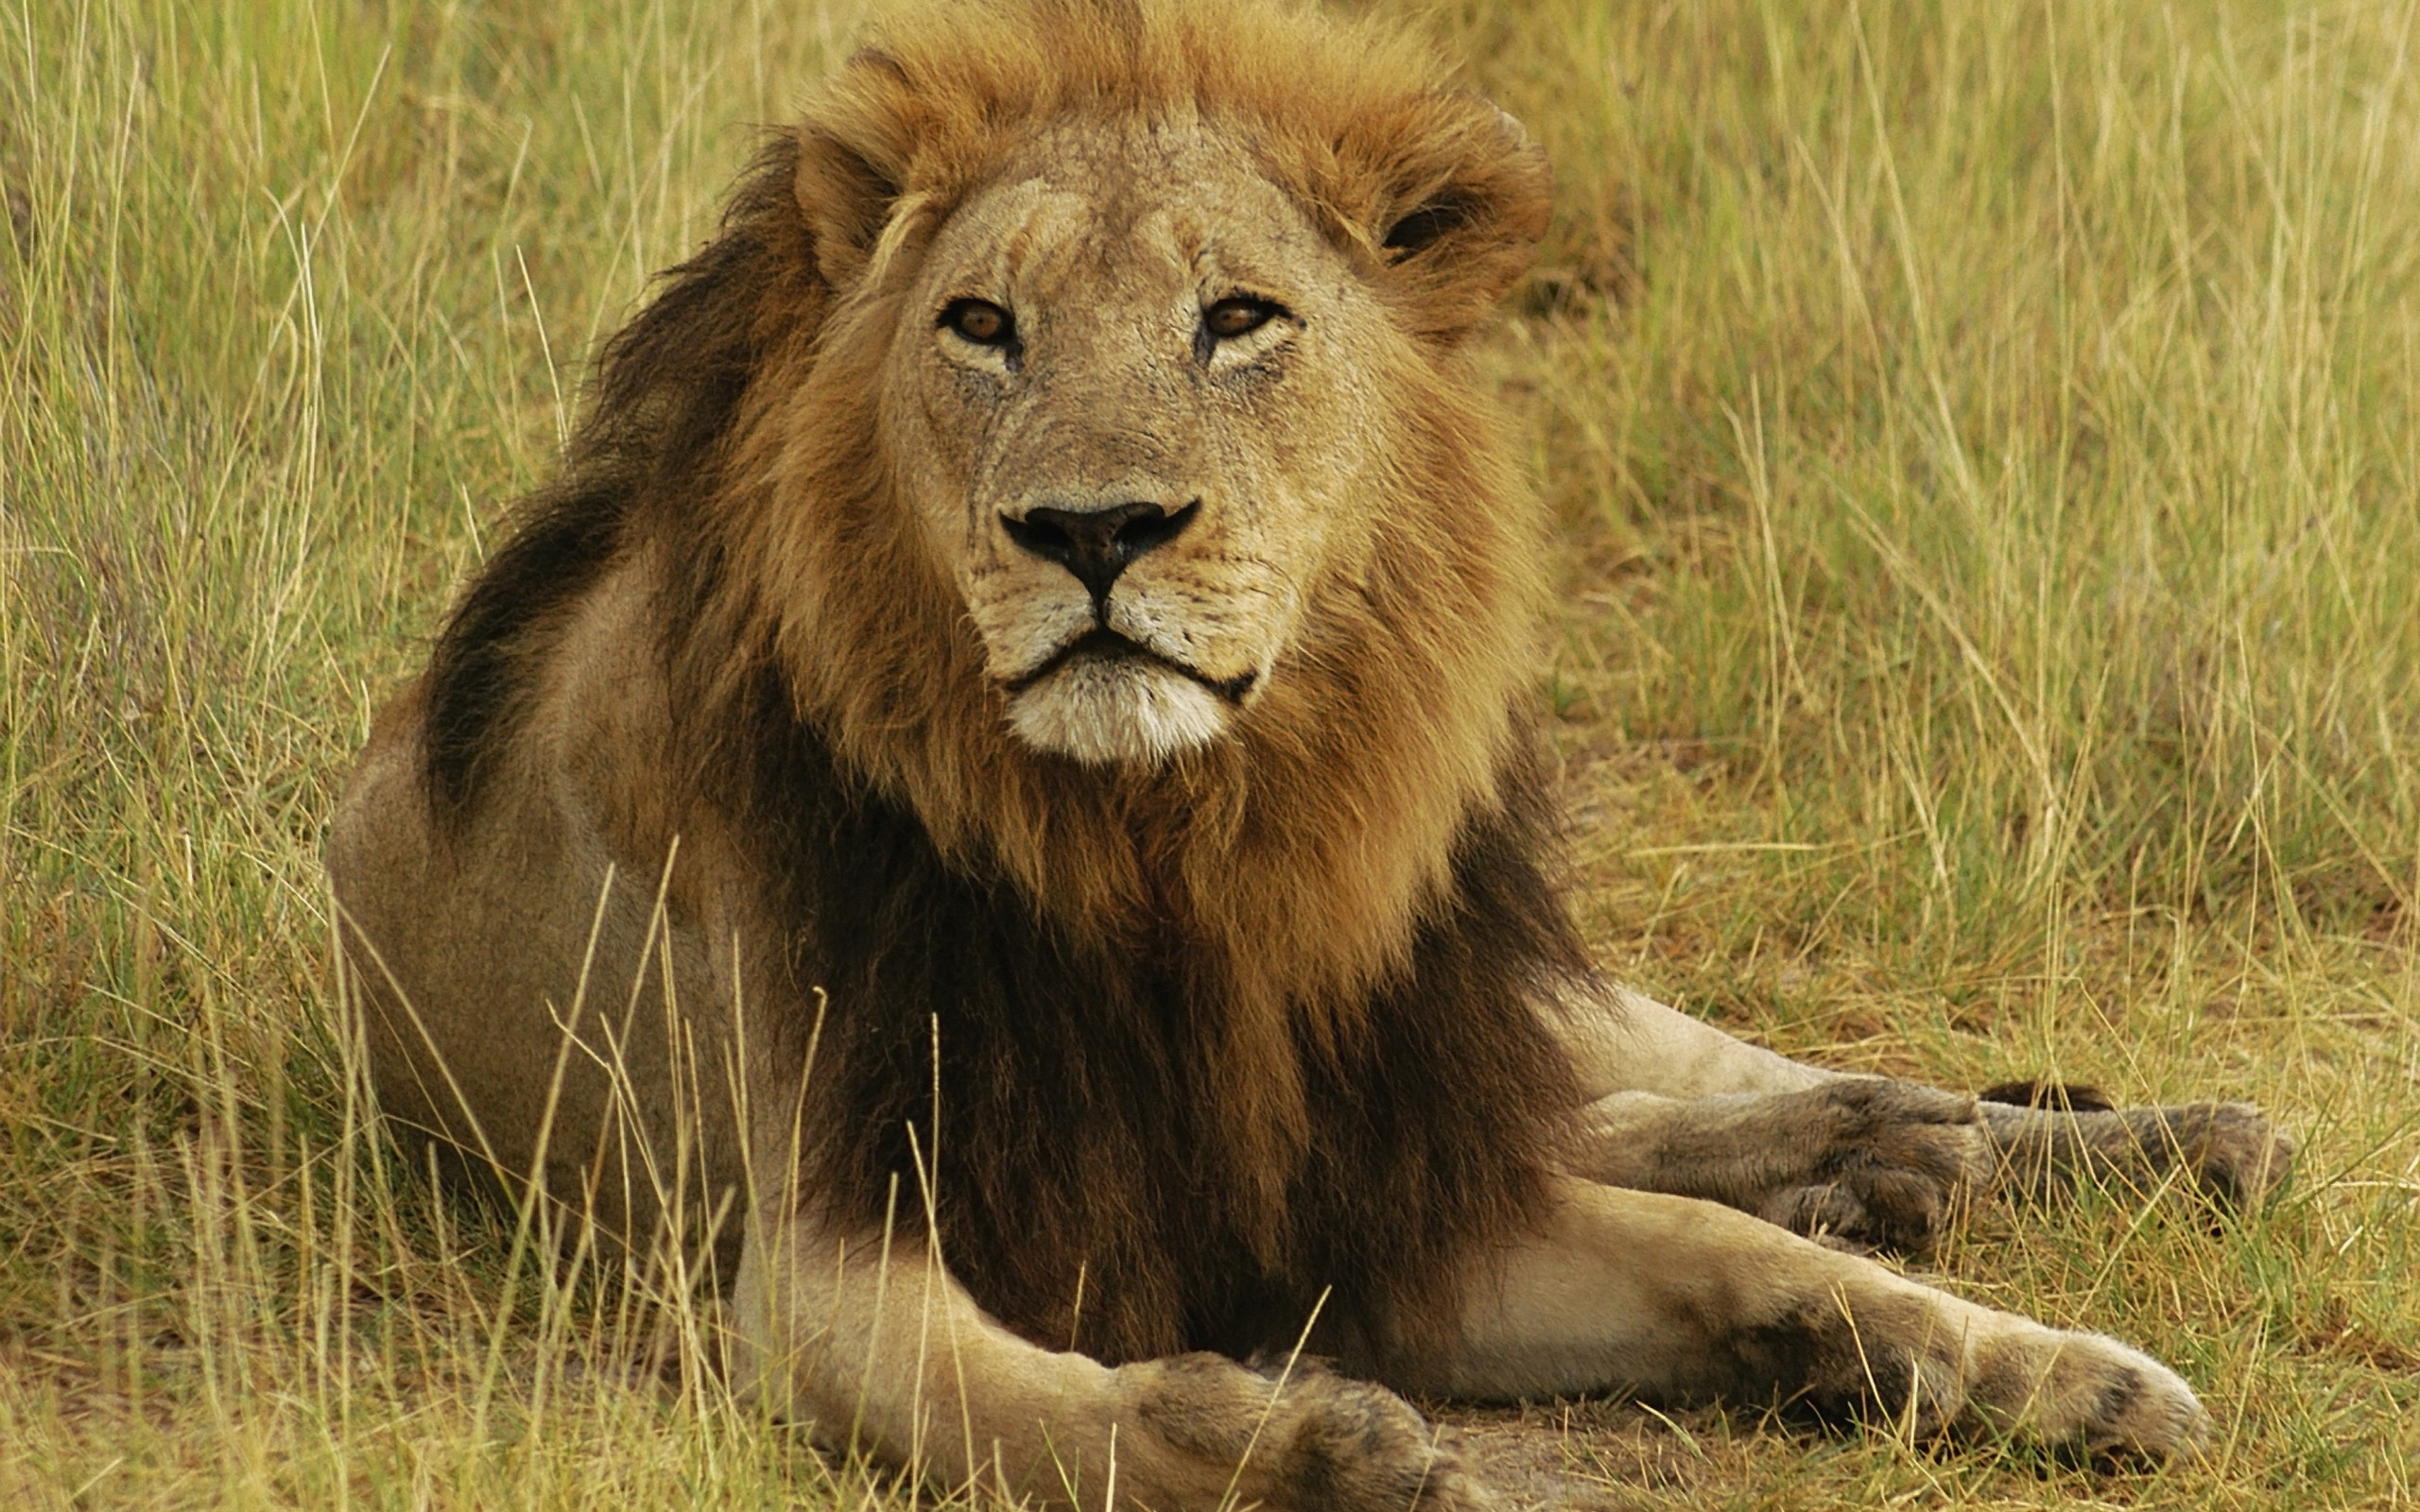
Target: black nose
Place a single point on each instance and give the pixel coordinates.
(1095, 544)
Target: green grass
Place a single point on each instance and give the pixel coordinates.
(1984, 444)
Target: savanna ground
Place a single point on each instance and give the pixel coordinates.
(1983, 443)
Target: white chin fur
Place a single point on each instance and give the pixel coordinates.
(1119, 712)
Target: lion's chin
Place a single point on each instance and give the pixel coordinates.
(1124, 710)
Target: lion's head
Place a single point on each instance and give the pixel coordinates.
(1146, 325)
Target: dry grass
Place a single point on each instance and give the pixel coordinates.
(1986, 442)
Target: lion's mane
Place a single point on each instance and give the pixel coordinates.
(1212, 1037)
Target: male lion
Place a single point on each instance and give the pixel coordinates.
(997, 794)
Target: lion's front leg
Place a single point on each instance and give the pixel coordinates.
(1866, 1160)
(1681, 1299)
(879, 1346)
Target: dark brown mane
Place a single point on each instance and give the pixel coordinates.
(666, 396)
(1084, 1130)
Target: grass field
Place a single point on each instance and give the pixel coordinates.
(1985, 441)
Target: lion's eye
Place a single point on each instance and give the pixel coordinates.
(979, 321)
(1230, 318)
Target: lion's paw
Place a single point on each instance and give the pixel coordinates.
(1313, 1443)
(1881, 1163)
(2229, 1152)
(2087, 1390)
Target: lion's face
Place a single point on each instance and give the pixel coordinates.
(1127, 392)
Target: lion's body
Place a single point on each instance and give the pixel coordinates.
(1009, 736)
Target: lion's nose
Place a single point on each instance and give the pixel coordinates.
(1095, 544)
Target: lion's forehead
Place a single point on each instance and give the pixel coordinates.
(1108, 218)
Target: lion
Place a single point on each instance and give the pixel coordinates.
(995, 806)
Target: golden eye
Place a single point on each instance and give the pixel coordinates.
(980, 321)
(1233, 317)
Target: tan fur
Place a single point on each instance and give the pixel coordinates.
(802, 572)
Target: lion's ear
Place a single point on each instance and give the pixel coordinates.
(853, 159)
(1458, 197)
